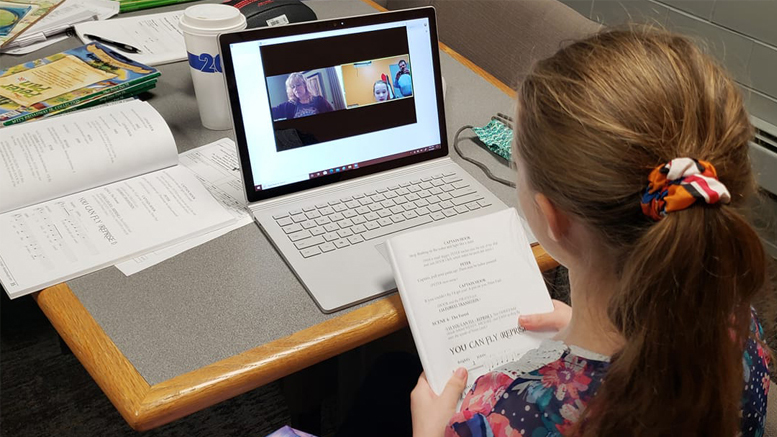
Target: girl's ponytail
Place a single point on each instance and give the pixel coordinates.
(616, 106)
(684, 310)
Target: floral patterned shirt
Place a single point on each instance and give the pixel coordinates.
(544, 392)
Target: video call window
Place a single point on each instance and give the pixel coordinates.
(376, 81)
(302, 94)
(312, 92)
(329, 95)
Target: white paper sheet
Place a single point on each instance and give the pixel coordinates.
(35, 46)
(157, 36)
(216, 165)
(463, 286)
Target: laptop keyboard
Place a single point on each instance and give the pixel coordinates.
(336, 224)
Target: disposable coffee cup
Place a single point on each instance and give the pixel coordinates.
(201, 25)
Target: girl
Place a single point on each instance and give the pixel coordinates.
(632, 155)
(380, 91)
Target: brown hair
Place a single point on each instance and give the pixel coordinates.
(594, 120)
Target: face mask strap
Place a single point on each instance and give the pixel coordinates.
(506, 120)
(501, 119)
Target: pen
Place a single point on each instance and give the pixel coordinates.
(120, 45)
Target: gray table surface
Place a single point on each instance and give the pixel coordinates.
(236, 293)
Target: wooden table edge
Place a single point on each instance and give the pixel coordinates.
(146, 407)
(112, 371)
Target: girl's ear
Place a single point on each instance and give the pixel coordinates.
(558, 223)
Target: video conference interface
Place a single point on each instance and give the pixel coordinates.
(331, 88)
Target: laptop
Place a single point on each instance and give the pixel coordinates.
(341, 136)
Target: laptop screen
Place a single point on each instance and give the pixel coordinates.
(327, 101)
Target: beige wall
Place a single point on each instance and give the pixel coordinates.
(742, 34)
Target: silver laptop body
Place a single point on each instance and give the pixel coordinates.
(328, 183)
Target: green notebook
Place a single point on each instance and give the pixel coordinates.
(134, 5)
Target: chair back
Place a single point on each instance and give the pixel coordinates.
(504, 37)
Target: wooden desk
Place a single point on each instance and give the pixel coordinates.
(147, 405)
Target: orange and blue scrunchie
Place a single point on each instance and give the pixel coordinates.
(678, 184)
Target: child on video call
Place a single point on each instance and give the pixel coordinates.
(381, 91)
(632, 155)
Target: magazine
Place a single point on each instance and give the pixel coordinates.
(65, 79)
(122, 94)
(17, 15)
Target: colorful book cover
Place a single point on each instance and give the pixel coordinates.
(56, 82)
(124, 93)
(10, 15)
(18, 15)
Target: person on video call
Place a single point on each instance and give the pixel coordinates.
(381, 91)
(301, 102)
(402, 82)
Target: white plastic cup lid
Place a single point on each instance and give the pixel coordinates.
(211, 18)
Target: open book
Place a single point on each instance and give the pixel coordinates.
(86, 190)
(463, 286)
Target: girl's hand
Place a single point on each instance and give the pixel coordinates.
(431, 413)
(556, 320)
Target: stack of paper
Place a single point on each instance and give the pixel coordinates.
(65, 16)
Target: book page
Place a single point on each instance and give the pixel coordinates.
(216, 165)
(64, 238)
(463, 286)
(46, 159)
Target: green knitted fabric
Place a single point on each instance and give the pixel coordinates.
(497, 137)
